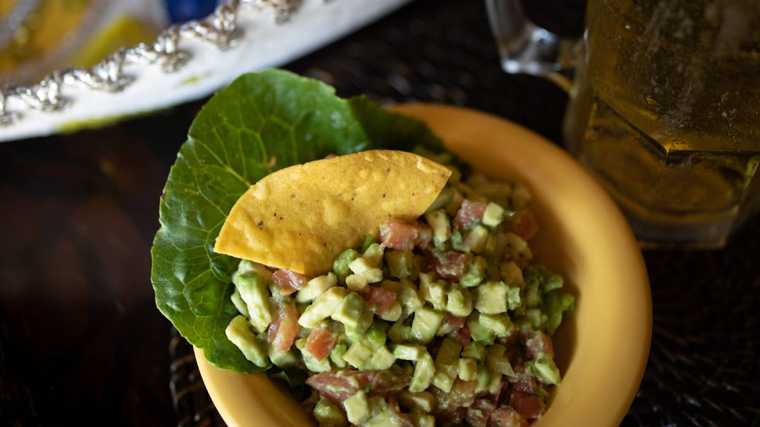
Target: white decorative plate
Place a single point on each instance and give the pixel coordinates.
(186, 62)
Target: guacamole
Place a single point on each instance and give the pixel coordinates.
(442, 320)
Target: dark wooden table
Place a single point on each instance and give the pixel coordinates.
(81, 340)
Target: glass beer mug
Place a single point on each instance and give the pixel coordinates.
(664, 107)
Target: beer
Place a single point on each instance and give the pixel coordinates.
(666, 112)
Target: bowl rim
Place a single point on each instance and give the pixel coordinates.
(234, 395)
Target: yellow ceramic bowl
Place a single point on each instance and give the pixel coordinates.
(602, 349)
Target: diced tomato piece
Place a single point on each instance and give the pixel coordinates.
(450, 264)
(401, 419)
(462, 395)
(461, 331)
(399, 235)
(288, 281)
(479, 412)
(469, 214)
(380, 299)
(320, 343)
(526, 384)
(424, 236)
(450, 417)
(464, 336)
(524, 224)
(539, 343)
(528, 405)
(454, 321)
(338, 385)
(388, 381)
(284, 327)
(507, 417)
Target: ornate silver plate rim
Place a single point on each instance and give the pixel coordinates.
(188, 53)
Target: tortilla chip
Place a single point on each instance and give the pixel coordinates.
(301, 217)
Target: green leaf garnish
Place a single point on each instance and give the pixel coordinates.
(260, 123)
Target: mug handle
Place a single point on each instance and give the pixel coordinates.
(524, 47)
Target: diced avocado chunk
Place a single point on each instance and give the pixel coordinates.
(433, 291)
(376, 334)
(328, 414)
(555, 305)
(357, 408)
(497, 360)
(393, 313)
(255, 293)
(491, 298)
(382, 418)
(356, 282)
(476, 239)
(483, 379)
(362, 267)
(245, 266)
(423, 420)
(239, 332)
(408, 351)
(545, 369)
(474, 350)
(478, 332)
(354, 335)
(532, 294)
(425, 324)
(312, 363)
(381, 359)
(446, 364)
(444, 198)
(536, 318)
(459, 302)
(424, 370)
(238, 302)
(381, 414)
(322, 308)
(468, 369)
(358, 354)
(353, 313)
(514, 301)
(336, 355)
(410, 300)
(439, 222)
(400, 332)
(443, 381)
(316, 287)
(499, 324)
(445, 329)
(369, 239)
(495, 382)
(401, 264)
(475, 273)
(340, 265)
(457, 242)
(493, 215)
(552, 282)
(547, 280)
(421, 401)
(374, 254)
(282, 359)
(447, 358)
